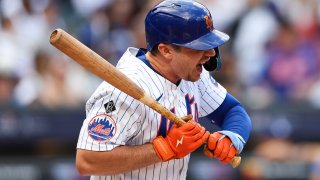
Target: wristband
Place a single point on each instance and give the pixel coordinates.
(163, 149)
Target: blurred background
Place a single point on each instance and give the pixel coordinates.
(271, 64)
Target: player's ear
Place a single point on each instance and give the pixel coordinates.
(166, 51)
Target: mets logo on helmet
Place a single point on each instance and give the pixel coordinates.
(209, 23)
(101, 128)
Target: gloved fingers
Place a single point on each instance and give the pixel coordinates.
(225, 148)
(188, 149)
(188, 126)
(208, 152)
(231, 154)
(197, 129)
(202, 140)
(205, 137)
(193, 142)
(213, 139)
(219, 147)
(201, 136)
(198, 135)
(218, 150)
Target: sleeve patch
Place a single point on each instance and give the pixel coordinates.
(109, 106)
(102, 128)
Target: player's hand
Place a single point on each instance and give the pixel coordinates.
(180, 141)
(220, 146)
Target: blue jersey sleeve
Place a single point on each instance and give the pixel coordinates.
(231, 116)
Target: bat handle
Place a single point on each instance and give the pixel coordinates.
(235, 161)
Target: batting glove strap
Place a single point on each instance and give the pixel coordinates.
(237, 141)
(163, 149)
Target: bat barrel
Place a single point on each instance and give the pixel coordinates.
(55, 35)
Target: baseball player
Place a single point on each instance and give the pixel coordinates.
(121, 138)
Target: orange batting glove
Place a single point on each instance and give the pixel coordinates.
(220, 146)
(180, 141)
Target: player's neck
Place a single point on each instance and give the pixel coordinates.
(163, 67)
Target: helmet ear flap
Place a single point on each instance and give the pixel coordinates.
(214, 64)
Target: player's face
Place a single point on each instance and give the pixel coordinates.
(187, 63)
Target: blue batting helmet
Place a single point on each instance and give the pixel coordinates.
(184, 23)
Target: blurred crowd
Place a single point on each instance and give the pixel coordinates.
(274, 51)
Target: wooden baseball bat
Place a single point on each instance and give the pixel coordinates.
(106, 71)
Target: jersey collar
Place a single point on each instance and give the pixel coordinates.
(142, 56)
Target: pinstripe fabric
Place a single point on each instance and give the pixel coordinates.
(137, 124)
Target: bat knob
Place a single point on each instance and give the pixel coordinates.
(235, 162)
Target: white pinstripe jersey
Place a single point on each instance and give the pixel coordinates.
(113, 118)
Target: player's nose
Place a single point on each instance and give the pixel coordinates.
(210, 52)
(207, 55)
